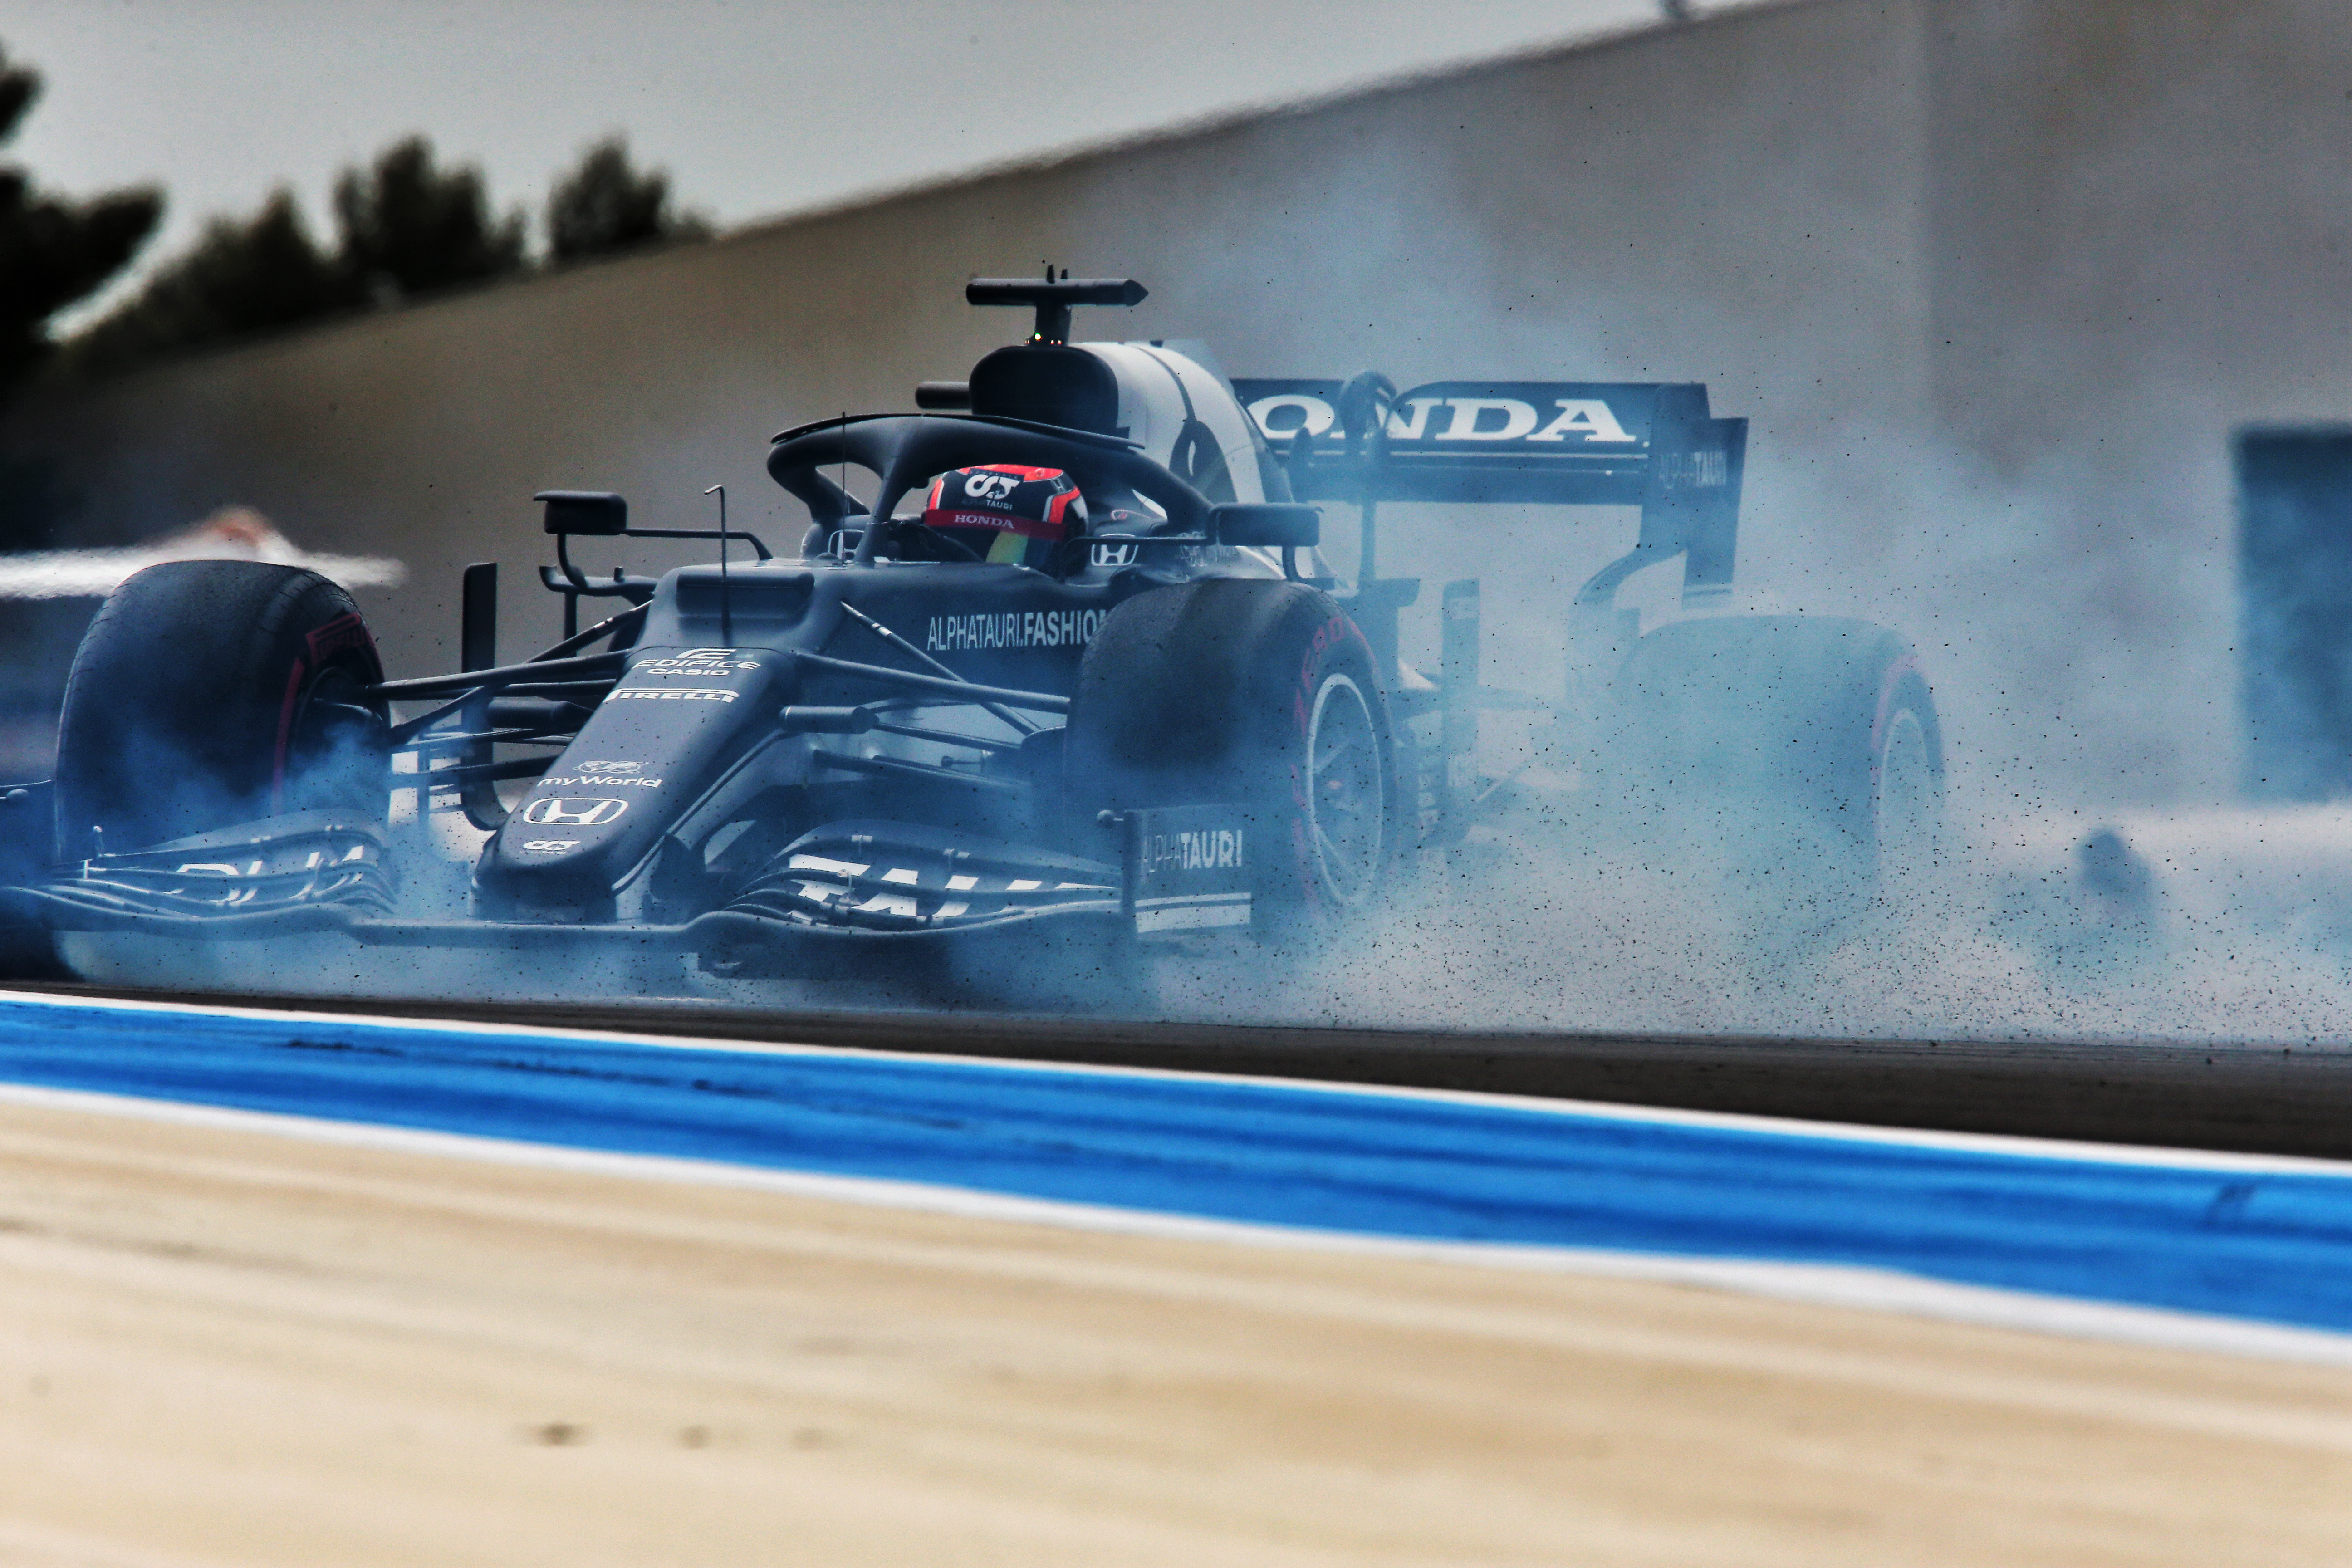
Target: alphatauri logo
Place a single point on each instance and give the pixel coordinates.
(1210, 850)
(1012, 629)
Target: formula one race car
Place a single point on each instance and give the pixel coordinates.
(1070, 680)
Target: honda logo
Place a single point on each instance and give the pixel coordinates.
(1568, 422)
(1498, 419)
(573, 811)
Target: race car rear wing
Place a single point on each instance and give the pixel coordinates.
(1647, 444)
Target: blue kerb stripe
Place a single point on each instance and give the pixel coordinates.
(2272, 1245)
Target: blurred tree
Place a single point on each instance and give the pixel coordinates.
(406, 226)
(410, 228)
(241, 278)
(606, 206)
(54, 252)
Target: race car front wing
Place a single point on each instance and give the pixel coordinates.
(1181, 870)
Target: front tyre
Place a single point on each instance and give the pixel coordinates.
(1260, 694)
(210, 693)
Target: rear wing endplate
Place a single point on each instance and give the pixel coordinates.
(1553, 443)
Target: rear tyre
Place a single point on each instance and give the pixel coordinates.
(1802, 755)
(210, 693)
(1259, 693)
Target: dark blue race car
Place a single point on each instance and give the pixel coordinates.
(1057, 673)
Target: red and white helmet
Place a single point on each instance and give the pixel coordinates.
(1006, 511)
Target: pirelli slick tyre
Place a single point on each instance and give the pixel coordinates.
(1801, 752)
(209, 693)
(1255, 693)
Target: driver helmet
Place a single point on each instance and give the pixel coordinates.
(1006, 512)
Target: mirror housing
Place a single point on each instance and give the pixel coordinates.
(585, 512)
(1268, 525)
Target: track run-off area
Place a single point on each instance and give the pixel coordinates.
(1267, 1319)
(2264, 1241)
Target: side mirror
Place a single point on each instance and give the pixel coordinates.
(585, 512)
(1278, 526)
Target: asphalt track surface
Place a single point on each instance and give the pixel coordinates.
(2289, 1098)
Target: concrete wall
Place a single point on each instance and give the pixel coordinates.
(1993, 278)
(2142, 239)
